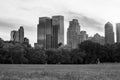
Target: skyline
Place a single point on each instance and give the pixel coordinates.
(92, 15)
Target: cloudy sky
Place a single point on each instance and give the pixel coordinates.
(92, 15)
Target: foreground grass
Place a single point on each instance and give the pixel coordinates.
(60, 72)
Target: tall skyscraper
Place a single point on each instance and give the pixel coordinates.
(73, 33)
(118, 32)
(50, 32)
(109, 34)
(21, 34)
(44, 33)
(58, 31)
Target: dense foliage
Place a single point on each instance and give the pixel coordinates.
(86, 53)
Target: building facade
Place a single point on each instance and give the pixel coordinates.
(98, 39)
(44, 33)
(83, 36)
(21, 34)
(109, 34)
(118, 32)
(73, 33)
(13, 35)
(58, 31)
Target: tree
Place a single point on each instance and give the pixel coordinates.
(65, 56)
(92, 50)
(17, 54)
(77, 56)
(53, 56)
(36, 56)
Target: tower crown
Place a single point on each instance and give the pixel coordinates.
(108, 23)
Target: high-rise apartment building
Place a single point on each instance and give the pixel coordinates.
(18, 36)
(73, 33)
(83, 36)
(109, 34)
(118, 32)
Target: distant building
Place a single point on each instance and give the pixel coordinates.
(73, 33)
(58, 31)
(21, 34)
(18, 36)
(98, 39)
(83, 36)
(17, 39)
(118, 32)
(109, 34)
(13, 35)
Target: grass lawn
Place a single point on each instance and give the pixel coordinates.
(60, 72)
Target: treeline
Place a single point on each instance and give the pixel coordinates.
(86, 53)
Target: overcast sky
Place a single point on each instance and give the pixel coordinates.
(92, 15)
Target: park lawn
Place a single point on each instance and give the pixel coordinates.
(60, 72)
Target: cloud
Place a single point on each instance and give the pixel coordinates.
(85, 21)
(13, 23)
(5, 24)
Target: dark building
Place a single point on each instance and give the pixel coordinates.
(109, 34)
(21, 34)
(73, 34)
(118, 32)
(58, 31)
(50, 32)
(44, 33)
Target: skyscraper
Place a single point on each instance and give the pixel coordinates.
(50, 32)
(21, 34)
(118, 32)
(73, 33)
(109, 34)
(44, 33)
(58, 31)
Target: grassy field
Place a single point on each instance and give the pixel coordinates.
(60, 72)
